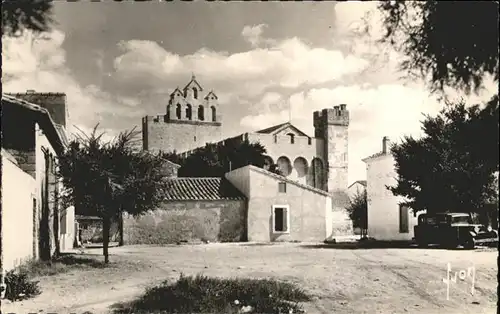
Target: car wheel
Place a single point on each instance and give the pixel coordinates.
(469, 243)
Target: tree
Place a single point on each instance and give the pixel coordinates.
(456, 42)
(108, 179)
(452, 167)
(358, 211)
(21, 15)
(216, 159)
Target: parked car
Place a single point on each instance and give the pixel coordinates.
(451, 230)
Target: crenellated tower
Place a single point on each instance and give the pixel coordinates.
(191, 120)
(331, 125)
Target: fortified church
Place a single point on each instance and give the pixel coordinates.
(193, 119)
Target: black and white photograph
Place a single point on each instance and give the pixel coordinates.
(232, 157)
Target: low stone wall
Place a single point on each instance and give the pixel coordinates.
(192, 221)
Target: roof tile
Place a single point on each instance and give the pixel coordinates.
(198, 189)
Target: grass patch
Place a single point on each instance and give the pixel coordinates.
(201, 294)
(62, 264)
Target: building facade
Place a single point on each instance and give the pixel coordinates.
(321, 162)
(190, 120)
(387, 219)
(34, 222)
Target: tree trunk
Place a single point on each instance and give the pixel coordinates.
(120, 228)
(106, 225)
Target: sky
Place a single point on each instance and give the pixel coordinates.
(119, 61)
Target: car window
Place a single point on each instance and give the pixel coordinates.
(461, 220)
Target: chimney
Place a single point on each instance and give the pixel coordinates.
(385, 144)
(343, 107)
(336, 109)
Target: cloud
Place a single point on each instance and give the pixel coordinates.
(253, 34)
(392, 110)
(39, 63)
(287, 63)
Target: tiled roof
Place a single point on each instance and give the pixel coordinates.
(362, 182)
(43, 118)
(201, 189)
(84, 217)
(375, 156)
(272, 128)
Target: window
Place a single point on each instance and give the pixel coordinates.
(201, 113)
(178, 111)
(403, 219)
(214, 114)
(281, 217)
(195, 93)
(189, 112)
(292, 137)
(282, 187)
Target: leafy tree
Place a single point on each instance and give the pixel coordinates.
(21, 15)
(358, 211)
(449, 43)
(108, 179)
(215, 159)
(452, 167)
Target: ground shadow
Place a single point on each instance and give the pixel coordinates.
(374, 245)
(71, 259)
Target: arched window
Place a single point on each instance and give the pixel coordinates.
(168, 111)
(284, 165)
(195, 93)
(214, 114)
(292, 137)
(189, 112)
(201, 113)
(178, 111)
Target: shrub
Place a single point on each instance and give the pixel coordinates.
(202, 294)
(19, 286)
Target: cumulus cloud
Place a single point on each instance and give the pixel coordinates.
(253, 34)
(39, 63)
(288, 63)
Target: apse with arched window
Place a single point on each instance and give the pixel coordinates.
(201, 113)
(300, 166)
(284, 165)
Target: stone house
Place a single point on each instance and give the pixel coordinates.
(249, 204)
(387, 219)
(357, 188)
(195, 209)
(280, 209)
(34, 223)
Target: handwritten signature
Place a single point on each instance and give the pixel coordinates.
(462, 274)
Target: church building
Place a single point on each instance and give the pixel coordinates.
(193, 118)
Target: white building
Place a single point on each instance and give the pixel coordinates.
(357, 188)
(387, 220)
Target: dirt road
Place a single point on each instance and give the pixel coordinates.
(341, 280)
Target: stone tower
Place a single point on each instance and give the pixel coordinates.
(331, 125)
(191, 120)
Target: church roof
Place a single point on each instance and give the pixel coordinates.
(201, 189)
(211, 93)
(193, 82)
(279, 127)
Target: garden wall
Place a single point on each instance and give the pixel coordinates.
(192, 221)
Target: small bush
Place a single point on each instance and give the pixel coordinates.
(202, 294)
(19, 286)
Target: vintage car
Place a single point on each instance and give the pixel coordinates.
(451, 230)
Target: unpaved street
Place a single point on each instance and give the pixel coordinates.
(342, 280)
